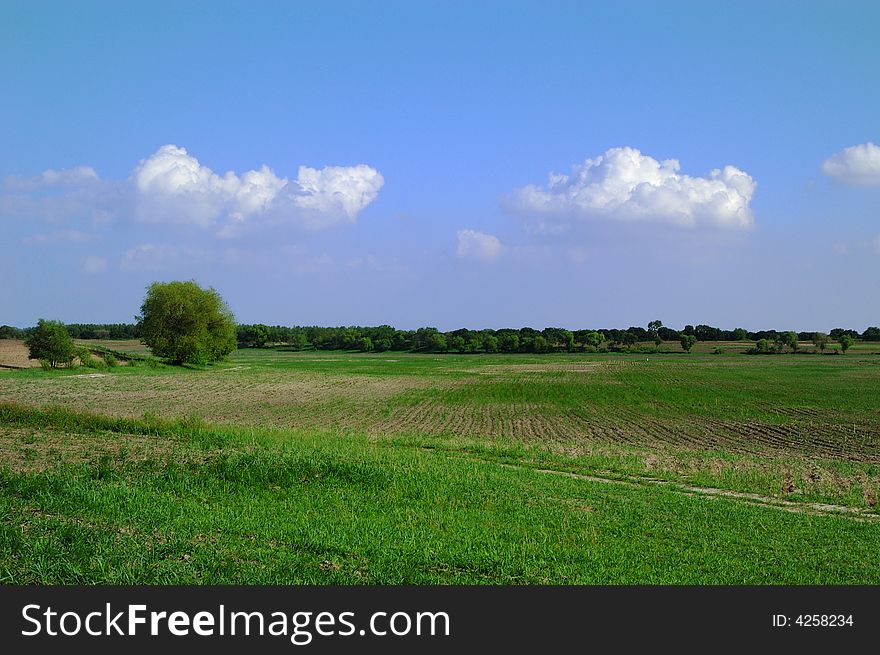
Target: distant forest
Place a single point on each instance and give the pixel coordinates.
(427, 339)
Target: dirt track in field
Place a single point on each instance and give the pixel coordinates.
(819, 509)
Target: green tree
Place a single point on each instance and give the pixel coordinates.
(687, 342)
(261, 335)
(299, 341)
(508, 342)
(186, 323)
(820, 340)
(740, 334)
(50, 342)
(789, 339)
(654, 330)
(595, 338)
(845, 342)
(871, 334)
(9, 332)
(764, 346)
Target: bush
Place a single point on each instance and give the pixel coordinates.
(87, 360)
(50, 341)
(764, 347)
(186, 324)
(110, 360)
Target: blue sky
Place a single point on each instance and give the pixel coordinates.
(408, 151)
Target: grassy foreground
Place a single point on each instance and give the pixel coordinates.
(123, 500)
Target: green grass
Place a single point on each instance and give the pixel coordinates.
(274, 506)
(333, 467)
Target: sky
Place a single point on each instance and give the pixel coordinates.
(448, 164)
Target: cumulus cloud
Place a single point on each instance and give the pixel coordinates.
(857, 165)
(95, 264)
(342, 190)
(477, 245)
(172, 186)
(623, 184)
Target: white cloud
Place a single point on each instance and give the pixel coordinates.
(95, 264)
(623, 184)
(342, 190)
(172, 186)
(839, 249)
(857, 165)
(477, 245)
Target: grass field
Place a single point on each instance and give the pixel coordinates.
(330, 467)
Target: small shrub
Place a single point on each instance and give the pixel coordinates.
(110, 360)
(764, 347)
(45, 364)
(87, 360)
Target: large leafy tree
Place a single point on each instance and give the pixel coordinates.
(186, 323)
(50, 342)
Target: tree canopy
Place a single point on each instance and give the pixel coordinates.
(49, 342)
(186, 323)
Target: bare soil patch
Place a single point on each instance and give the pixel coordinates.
(246, 397)
(14, 354)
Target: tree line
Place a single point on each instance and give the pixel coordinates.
(506, 340)
(521, 340)
(81, 331)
